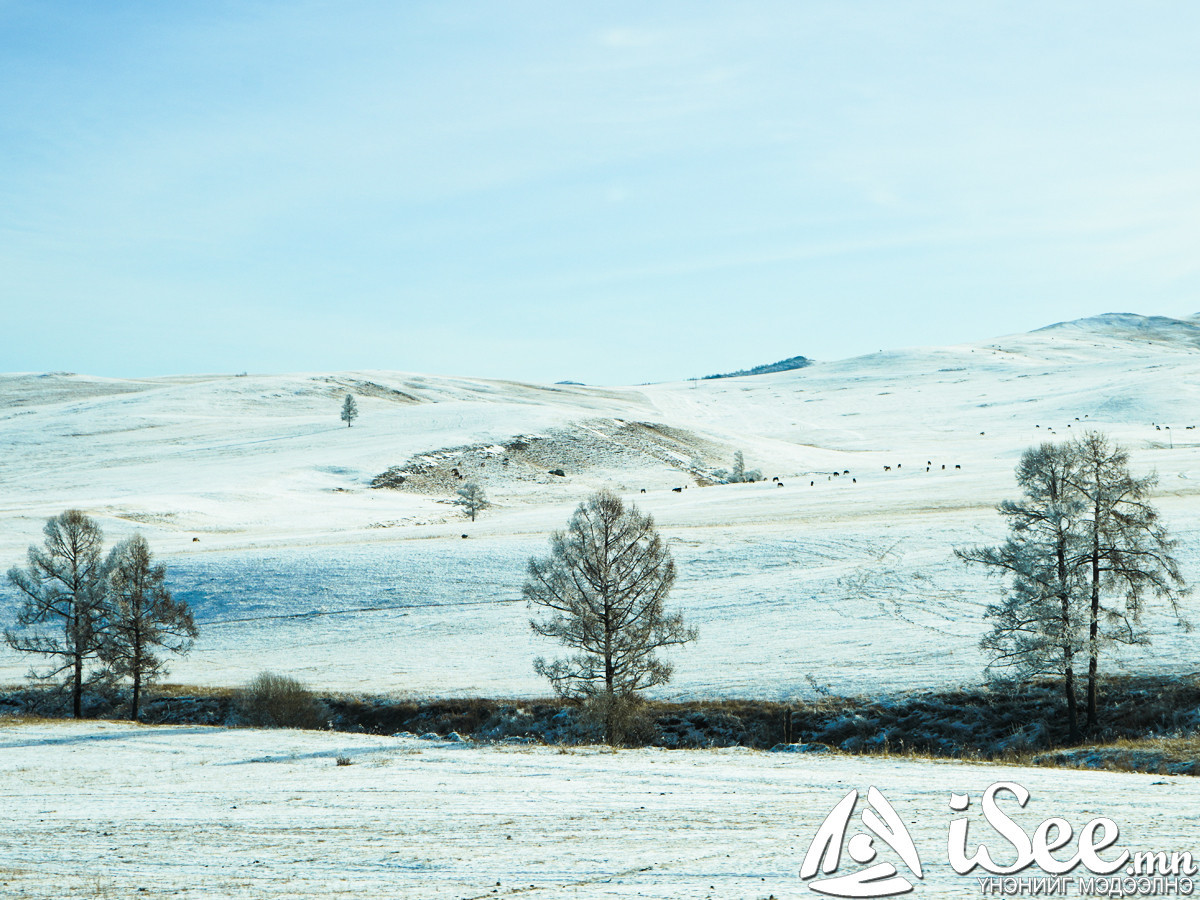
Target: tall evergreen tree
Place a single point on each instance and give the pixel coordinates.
(1085, 547)
(603, 587)
(64, 611)
(471, 499)
(1039, 626)
(144, 619)
(349, 410)
(1127, 551)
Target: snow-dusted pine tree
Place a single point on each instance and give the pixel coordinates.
(739, 468)
(603, 587)
(471, 499)
(1040, 625)
(63, 612)
(1127, 551)
(144, 618)
(349, 410)
(1085, 546)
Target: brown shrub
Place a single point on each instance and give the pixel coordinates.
(278, 701)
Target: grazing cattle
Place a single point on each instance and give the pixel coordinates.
(464, 535)
(677, 490)
(927, 468)
(943, 467)
(643, 490)
(981, 432)
(887, 468)
(779, 484)
(810, 484)
(195, 540)
(774, 477)
(836, 474)
(855, 480)
(958, 467)
(845, 471)
(899, 465)
(929, 462)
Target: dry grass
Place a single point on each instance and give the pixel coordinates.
(9, 720)
(1183, 748)
(1169, 755)
(190, 690)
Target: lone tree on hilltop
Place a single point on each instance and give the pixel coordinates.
(64, 611)
(349, 410)
(1039, 627)
(471, 499)
(144, 617)
(603, 587)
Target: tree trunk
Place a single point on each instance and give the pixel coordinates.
(1094, 636)
(1072, 706)
(610, 729)
(1068, 650)
(77, 688)
(137, 674)
(610, 706)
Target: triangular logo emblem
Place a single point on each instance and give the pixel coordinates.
(879, 880)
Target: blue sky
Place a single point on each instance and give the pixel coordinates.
(610, 193)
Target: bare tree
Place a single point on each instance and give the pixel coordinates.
(349, 410)
(471, 499)
(63, 613)
(1126, 553)
(144, 620)
(1039, 626)
(603, 587)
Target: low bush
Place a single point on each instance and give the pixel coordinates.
(278, 701)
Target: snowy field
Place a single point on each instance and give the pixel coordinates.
(257, 498)
(101, 810)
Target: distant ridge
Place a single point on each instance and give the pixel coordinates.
(784, 365)
(1135, 327)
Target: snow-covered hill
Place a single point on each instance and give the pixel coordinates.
(847, 577)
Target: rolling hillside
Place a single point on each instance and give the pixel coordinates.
(258, 499)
